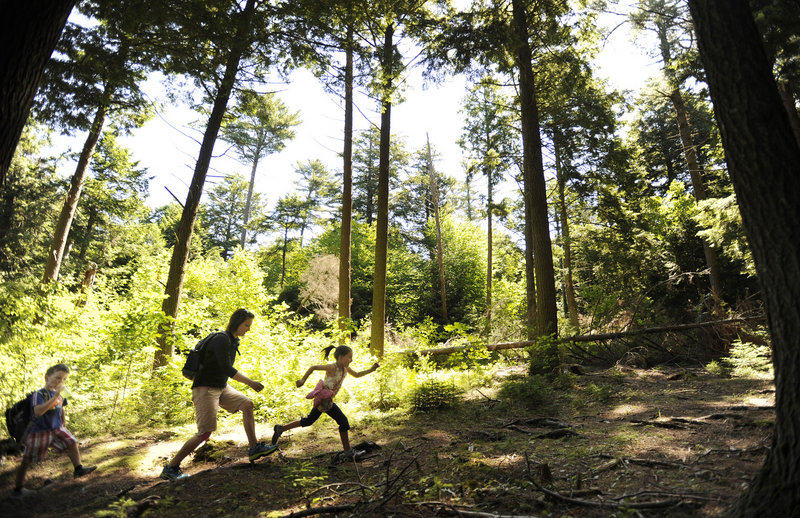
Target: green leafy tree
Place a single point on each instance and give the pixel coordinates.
(511, 37)
(413, 200)
(212, 48)
(489, 140)
(338, 54)
(288, 216)
(28, 205)
(317, 186)
(366, 158)
(579, 125)
(113, 199)
(667, 19)
(465, 261)
(223, 215)
(95, 74)
(257, 126)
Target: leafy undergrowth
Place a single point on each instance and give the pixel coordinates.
(675, 443)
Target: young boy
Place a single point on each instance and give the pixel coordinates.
(48, 429)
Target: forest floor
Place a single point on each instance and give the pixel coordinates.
(621, 442)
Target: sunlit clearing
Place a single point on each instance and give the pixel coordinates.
(623, 410)
(758, 401)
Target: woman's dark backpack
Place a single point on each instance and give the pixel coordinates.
(194, 359)
(20, 418)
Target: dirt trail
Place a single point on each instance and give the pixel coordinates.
(678, 443)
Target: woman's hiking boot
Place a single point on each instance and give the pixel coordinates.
(172, 473)
(260, 450)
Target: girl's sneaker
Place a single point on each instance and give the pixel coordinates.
(260, 450)
(170, 473)
(83, 470)
(22, 492)
(277, 431)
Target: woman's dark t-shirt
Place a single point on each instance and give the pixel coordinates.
(216, 362)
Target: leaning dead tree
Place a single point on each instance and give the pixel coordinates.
(610, 347)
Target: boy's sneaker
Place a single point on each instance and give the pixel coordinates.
(83, 470)
(277, 431)
(22, 492)
(170, 473)
(260, 450)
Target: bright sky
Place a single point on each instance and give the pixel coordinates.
(168, 147)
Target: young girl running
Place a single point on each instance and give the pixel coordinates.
(325, 391)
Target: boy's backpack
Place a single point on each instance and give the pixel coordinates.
(20, 418)
(194, 358)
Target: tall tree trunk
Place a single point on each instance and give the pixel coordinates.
(73, 195)
(764, 162)
(180, 254)
(345, 236)
(530, 279)
(304, 223)
(439, 247)
(29, 33)
(228, 231)
(382, 217)
(370, 195)
(91, 218)
(283, 254)
(489, 207)
(468, 196)
(243, 239)
(546, 311)
(569, 287)
(698, 186)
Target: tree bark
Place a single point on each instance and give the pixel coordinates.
(533, 171)
(698, 186)
(764, 162)
(67, 214)
(346, 227)
(283, 254)
(530, 279)
(439, 247)
(243, 238)
(489, 207)
(29, 33)
(180, 254)
(382, 217)
(566, 243)
(87, 237)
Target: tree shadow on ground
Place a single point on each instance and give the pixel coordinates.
(661, 443)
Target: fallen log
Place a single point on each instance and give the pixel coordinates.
(599, 337)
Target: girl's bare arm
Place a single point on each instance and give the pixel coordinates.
(311, 369)
(364, 372)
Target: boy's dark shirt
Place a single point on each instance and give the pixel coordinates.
(216, 363)
(53, 418)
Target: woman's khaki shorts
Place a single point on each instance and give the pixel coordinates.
(207, 401)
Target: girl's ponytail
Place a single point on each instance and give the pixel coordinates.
(340, 350)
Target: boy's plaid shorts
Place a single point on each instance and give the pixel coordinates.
(37, 443)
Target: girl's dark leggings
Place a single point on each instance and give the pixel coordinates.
(335, 413)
